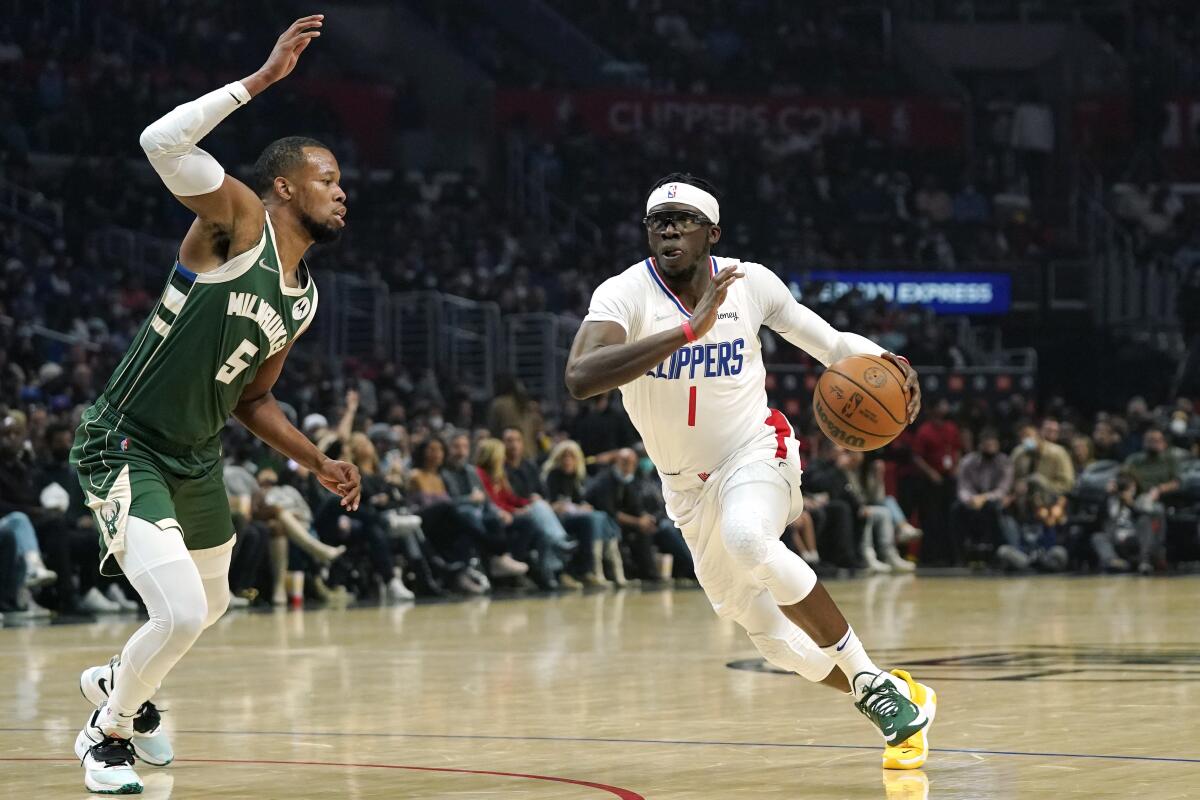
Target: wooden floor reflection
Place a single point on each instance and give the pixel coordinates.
(1049, 687)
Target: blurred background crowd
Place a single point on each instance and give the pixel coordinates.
(496, 165)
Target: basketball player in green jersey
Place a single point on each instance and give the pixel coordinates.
(148, 450)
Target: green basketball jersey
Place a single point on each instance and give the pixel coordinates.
(205, 340)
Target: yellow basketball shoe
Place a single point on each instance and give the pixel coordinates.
(912, 752)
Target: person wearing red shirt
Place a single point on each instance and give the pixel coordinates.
(531, 515)
(936, 450)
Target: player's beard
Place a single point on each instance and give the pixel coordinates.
(685, 274)
(321, 233)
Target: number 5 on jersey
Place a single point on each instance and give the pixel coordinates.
(239, 359)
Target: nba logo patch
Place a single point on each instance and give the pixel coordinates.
(125, 444)
(672, 190)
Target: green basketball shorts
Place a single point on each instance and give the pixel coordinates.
(126, 472)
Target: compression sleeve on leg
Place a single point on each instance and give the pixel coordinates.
(170, 142)
(781, 642)
(213, 566)
(158, 565)
(756, 504)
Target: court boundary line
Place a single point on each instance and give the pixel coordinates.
(616, 791)
(605, 740)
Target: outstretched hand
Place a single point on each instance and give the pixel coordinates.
(912, 385)
(288, 47)
(342, 479)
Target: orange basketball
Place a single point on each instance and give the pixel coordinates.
(860, 402)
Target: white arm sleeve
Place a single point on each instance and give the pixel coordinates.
(802, 326)
(170, 142)
(611, 304)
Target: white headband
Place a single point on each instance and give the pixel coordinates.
(688, 195)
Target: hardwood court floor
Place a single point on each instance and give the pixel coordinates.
(1049, 687)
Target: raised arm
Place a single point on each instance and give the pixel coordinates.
(601, 360)
(228, 211)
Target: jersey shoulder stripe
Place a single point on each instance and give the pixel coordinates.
(652, 267)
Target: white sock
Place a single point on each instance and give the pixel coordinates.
(850, 656)
(112, 723)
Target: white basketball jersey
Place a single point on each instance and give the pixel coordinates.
(707, 402)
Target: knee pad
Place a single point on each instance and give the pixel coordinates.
(746, 538)
(795, 653)
(786, 575)
(757, 503)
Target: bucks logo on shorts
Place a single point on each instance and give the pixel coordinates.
(112, 521)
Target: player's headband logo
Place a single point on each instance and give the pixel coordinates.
(686, 194)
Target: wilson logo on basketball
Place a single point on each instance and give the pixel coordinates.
(834, 431)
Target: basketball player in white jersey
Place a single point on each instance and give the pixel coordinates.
(678, 333)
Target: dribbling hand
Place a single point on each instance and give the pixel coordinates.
(912, 385)
(706, 310)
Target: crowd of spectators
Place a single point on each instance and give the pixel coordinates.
(449, 508)
(802, 199)
(1115, 493)
(774, 46)
(811, 199)
(712, 46)
(509, 497)
(82, 79)
(464, 499)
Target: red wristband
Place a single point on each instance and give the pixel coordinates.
(688, 333)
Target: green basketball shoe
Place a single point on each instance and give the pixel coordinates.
(895, 715)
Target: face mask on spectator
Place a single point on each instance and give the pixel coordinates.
(1179, 426)
(622, 477)
(1029, 443)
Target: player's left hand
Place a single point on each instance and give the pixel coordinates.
(342, 479)
(289, 46)
(912, 385)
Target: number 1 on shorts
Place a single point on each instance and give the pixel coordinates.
(692, 407)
